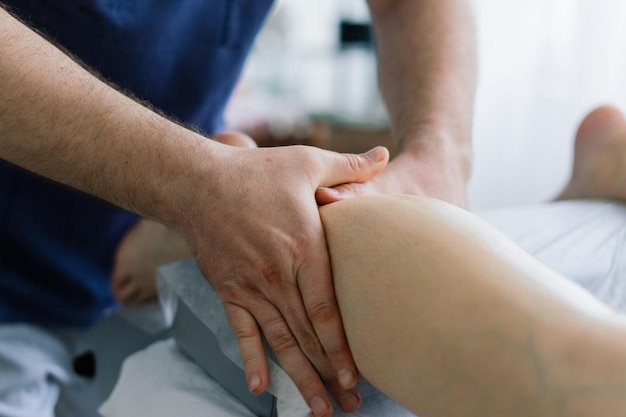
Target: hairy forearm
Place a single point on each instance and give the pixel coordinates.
(60, 121)
(427, 66)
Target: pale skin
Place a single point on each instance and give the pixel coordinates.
(59, 121)
(450, 318)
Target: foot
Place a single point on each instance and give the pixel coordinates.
(599, 157)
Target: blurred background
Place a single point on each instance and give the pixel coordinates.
(543, 64)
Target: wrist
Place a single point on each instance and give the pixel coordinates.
(442, 163)
(428, 174)
(445, 151)
(181, 176)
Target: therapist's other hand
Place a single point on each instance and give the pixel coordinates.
(262, 247)
(434, 174)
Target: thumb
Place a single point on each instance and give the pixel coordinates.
(350, 168)
(327, 195)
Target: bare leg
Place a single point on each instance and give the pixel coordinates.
(600, 157)
(450, 318)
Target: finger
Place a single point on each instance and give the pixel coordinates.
(127, 295)
(292, 359)
(119, 280)
(319, 299)
(327, 195)
(250, 347)
(349, 400)
(317, 295)
(237, 139)
(346, 168)
(301, 327)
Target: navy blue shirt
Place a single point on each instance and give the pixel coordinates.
(182, 56)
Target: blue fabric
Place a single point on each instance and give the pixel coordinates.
(183, 57)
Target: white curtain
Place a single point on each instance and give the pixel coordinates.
(543, 65)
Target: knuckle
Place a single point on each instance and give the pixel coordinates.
(235, 288)
(311, 347)
(322, 312)
(355, 162)
(335, 352)
(228, 286)
(282, 342)
(278, 336)
(271, 274)
(250, 360)
(307, 383)
(243, 332)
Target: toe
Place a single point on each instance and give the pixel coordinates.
(601, 122)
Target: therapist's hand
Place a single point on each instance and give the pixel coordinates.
(436, 174)
(259, 241)
(149, 245)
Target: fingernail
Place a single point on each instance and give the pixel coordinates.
(318, 407)
(346, 378)
(377, 154)
(331, 191)
(254, 382)
(349, 402)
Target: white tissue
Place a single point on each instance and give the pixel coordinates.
(161, 382)
(161, 371)
(186, 280)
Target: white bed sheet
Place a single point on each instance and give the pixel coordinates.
(582, 240)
